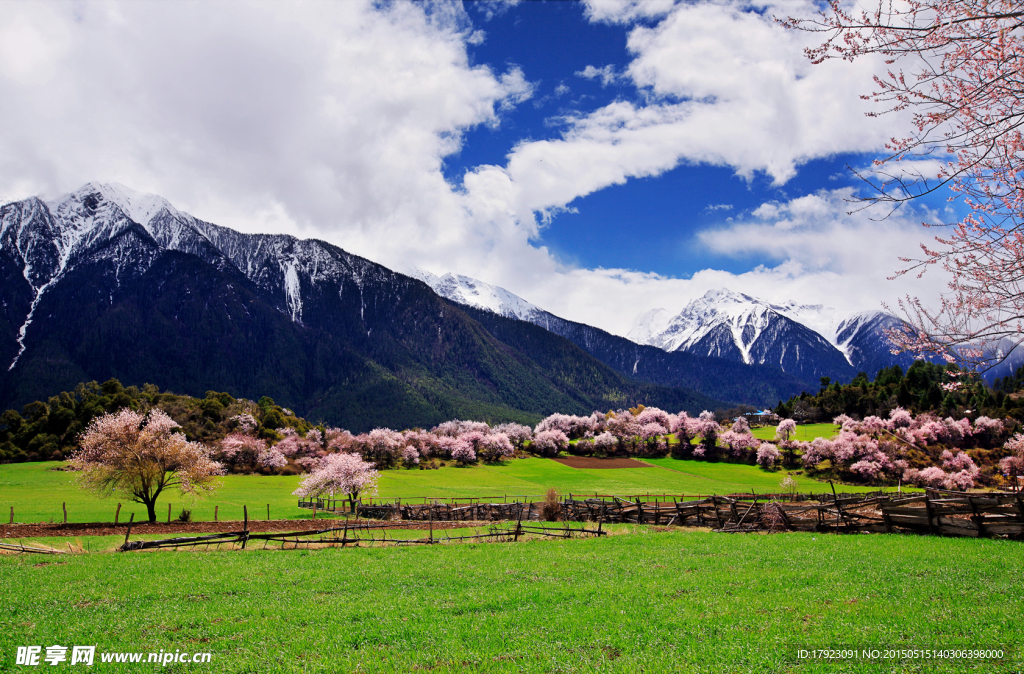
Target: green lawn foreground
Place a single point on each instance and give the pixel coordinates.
(37, 493)
(681, 601)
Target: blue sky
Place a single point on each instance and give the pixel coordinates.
(553, 43)
(600, 159)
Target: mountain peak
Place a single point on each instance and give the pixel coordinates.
(137, 206)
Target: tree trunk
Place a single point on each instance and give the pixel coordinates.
(151, 508)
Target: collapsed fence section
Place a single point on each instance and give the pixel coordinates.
(358, 534)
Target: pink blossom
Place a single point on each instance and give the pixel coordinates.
(682, 427)
(518, 434)
(652, 430)
(271, 458)
(495, 447)
(768, 455)
(900, 418)
(958, 461)
(652, 415)
(741, 426)
(139, 456)
(843, 421)
(549, 443)
(605, 442)
(338, 440)
(246, 422)
(623, 426)
(785, 430)
(738, 443)
(707, 428)
(816, 451)
(410, 457)
(932, 476)
(870, 425)
(340, 473)
(462, 452)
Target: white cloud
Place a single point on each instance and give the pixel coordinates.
(326, 119)
(607, 74)
(813, 252)
(624, 11)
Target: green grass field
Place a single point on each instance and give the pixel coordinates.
(681, 601)
(804, 432)
(36, 492)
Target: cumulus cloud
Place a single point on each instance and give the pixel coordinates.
(812, 251)
(325, 119)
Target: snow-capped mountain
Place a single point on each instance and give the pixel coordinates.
(107, 282)
(722, 377)
(803, 338)
(807, 341)
(738, 327)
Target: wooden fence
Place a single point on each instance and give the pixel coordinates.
(934, 512)
(357, 534)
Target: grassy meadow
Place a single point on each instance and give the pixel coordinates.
(37, 492)
(643, 599)
(804, 432)
(637, 601)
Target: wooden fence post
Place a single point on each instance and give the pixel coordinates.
(168, 513)
(245, 526)
(268, 512)
(129, 532)
(12, 515)
(64, 506)
(117, 513)
(215, 508)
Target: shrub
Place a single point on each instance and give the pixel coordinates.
(552, 509)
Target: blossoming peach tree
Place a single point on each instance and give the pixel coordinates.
(956, 65)
(140, 456)
(341, 473)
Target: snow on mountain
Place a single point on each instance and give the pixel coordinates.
(45, 240)
(722, 321)
(475, 293)
(647, 327)
(745, 317)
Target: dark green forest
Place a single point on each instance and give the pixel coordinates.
(48, 430)
(920, 389)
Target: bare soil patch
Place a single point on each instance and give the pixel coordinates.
(594, 462)
(17, 531)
